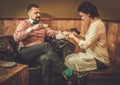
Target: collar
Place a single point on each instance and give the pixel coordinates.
(31, 21)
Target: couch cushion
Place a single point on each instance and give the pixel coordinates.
(112, 72)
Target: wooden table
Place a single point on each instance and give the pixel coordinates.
(17, 75)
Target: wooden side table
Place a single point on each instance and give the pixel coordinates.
(17, 75)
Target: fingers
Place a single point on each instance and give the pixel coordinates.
(38, 27)
(35, 27)
(65, 33)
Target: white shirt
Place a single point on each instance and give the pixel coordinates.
(95, 42)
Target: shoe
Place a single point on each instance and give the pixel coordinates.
(69, 83)
(74, 79)
(83, 74)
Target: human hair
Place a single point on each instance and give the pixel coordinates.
(31, 6)
(88, 8)
(74, 30)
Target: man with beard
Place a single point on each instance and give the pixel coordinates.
(30, 34)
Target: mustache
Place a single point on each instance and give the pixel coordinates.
(38, 17)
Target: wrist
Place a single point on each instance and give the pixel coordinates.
(29, 30)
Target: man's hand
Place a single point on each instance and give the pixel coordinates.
(37, 27)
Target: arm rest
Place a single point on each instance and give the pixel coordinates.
(8, 47)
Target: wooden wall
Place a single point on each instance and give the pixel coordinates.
(108, 9)
(113, 40)
(7, 27)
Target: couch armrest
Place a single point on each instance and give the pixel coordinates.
(8, 47)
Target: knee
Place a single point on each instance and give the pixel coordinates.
(47, 44)
(44, 59)
(69, 60)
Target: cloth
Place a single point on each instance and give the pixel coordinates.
(32, 47)
(28, 39)
(29, 42)
(95, 46)
(29, 55)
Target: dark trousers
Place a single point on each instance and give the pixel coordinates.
(100, 65)
(45, 55)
